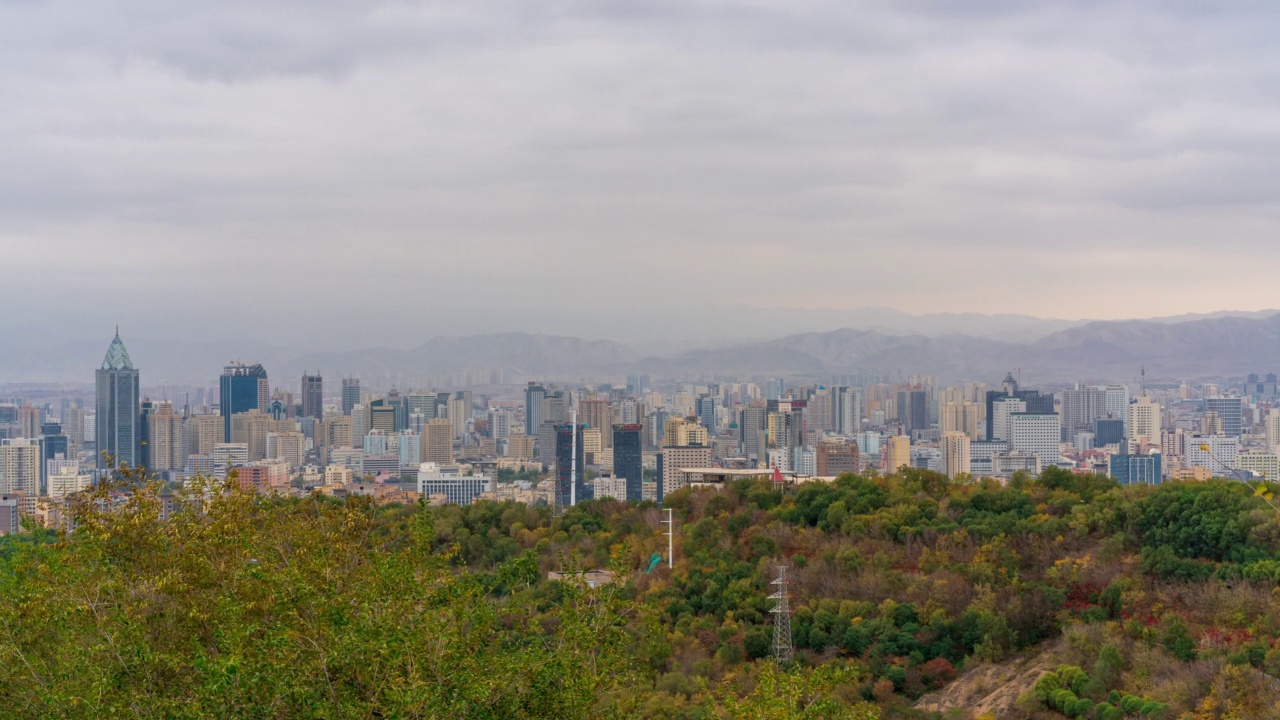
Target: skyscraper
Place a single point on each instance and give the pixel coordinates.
(164, 439)
(1143, 423)
(569, 485)
(955, 454)
(242, 388)
(350, 394)
(117, 407)
(437, 440)
(20, 461)
(1032, 402)
(628, 459)
(1080, 407)
(533, 397)
(312, 396)
(596, 414)
(1230, 410)
(73, 427)
(705, 409)
(1039, 433)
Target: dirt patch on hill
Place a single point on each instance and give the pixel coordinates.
(991, 689)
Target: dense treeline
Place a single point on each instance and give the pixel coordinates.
(1158, 601)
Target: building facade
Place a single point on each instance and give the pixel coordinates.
(117, 414)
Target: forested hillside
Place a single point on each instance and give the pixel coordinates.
(1105, 602)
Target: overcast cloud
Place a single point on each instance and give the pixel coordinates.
(403, 169)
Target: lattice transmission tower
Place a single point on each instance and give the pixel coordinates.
(782, 648)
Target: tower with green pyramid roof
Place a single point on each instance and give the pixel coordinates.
(117, 407)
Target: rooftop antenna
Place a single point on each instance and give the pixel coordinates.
(782, 648)
(1144, 379)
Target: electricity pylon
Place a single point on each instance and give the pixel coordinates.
(782, 648)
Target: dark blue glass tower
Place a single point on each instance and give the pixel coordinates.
(117, 408)
(628, 460)
(242, 388)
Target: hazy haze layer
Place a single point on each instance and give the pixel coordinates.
(382, 172)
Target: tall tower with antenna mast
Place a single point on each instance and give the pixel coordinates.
(782, 647)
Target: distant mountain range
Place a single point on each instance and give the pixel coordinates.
(1212, 347)
(1221, 345)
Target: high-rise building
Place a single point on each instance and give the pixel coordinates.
(897, 452)
(201, 434)
(424, 404)
(1002, 409)
(705, 409)
(56, 450)
(960, 416)
(628, 459)
(164, 439)
(251, 428)
(846, 410)
(1218, 454)
(955, 454)
(1273, 429)
(1032, 401)
(312, 396)
(499, 424)
(1142, 421)
(753, 432)
(73, 428)
(1117, 401)
(382, 416)
(913, 408)
(242, 388)
(437, 439)
(410, 448)
(116, 413)
(680, 433)
(1173, 443)
(1039, 433)
(596, 414)
(672, 460)
(570, 482)
(350, 394)
(533, 396)
(1081, 406)
(227, 456)
(30, 418)
(290, 447)
(335, 433)
(20, 465)
(521, 447)
(1108, 431)
(1230, 410)
(457, 416)
(144, 433)
(1135, 469)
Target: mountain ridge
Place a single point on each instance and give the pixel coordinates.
(1226, 345)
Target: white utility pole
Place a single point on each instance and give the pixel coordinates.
(671, 539)
(573, 461)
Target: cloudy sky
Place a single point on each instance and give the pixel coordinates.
(370, 169)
